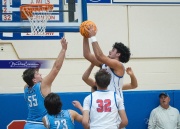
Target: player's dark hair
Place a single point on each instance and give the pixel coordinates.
(102, 78)
(53, 103)
(125, 52)
(28, 75)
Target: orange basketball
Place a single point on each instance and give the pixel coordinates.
(86, 24)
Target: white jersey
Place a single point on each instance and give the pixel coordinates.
(103, 107)
(116, 81)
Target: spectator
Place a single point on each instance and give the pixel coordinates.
(164, 116)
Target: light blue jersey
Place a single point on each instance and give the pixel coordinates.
(61, 121)
(34, 126)
(35, 103)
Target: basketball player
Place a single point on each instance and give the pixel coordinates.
(113, 63)
(37, 88)
(102, 107)
(91, 82)
(57, 118)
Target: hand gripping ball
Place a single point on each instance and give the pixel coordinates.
(85, 25)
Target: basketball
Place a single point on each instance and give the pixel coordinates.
(85, 25)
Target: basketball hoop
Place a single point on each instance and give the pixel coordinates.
(38, 15)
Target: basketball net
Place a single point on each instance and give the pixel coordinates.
(38, 15)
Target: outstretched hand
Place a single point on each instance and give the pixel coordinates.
(64, 43)
(129, 71)
(76, 104)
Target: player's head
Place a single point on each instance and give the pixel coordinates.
(31, 76)
(121, 52)
(53, 103)
(102, 78)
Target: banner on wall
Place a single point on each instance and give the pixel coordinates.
(24, 64)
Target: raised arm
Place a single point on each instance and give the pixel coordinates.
(112, 63)
(87, 53)
(76, 116)
(86, 77)
(47, 81)
(133, 83)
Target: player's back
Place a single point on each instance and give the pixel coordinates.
(104, 110)
(116, 82)
(61, 121)
(35, 103)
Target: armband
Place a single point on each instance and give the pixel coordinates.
(93, 39)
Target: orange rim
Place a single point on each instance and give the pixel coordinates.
(29, 8)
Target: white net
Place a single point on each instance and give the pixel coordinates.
(38, 17)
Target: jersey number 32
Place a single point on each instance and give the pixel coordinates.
(104, 105)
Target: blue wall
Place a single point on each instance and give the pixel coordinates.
(138, 106)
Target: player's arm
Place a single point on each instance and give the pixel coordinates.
(124, 120)
(87, 53)
(78, 105)
(89, 81)
(44, 120)
(76, 116)
(133, 83)
(85, 120)
(122, 112)
(118, 67)
(106, 60)
(47, 81)
(86, 109)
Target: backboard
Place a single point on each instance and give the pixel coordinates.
(67, 15)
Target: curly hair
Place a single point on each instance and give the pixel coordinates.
(125, 52)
